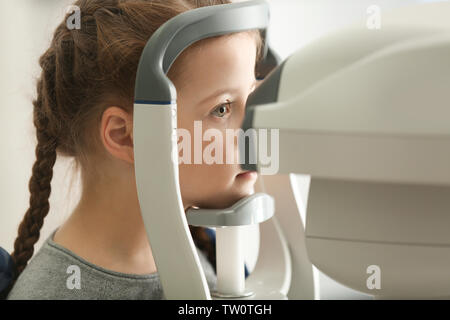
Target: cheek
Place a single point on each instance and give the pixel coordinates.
(204, 179)
(203, 183)
(209, 186)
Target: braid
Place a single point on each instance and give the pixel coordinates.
(42, 172)
(40, 188)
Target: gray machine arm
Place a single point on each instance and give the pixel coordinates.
(152, 83)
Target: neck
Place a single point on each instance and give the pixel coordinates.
(106, 228)
(113, 221)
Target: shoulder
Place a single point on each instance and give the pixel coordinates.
(57, 274)
(39, 279)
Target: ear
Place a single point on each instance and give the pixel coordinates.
(116, 131)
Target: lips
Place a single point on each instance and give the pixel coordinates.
(247, 174)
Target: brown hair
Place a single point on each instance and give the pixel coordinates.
(83, 72)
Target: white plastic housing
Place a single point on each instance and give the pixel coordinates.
(366, 114)
(230, 260)
(156, 170)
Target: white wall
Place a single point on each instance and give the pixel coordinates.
(25, 32)
(295, 23)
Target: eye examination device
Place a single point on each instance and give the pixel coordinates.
(364, 113)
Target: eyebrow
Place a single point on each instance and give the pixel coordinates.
(218, 93)
(222, 91)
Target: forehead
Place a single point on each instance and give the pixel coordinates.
(228, 60)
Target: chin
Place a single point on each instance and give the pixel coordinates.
(245, 189)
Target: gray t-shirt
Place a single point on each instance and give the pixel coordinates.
(50, 275)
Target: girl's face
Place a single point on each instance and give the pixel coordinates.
(212, 89)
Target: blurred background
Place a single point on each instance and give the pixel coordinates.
(26, 28)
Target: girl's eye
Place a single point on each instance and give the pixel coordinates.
(222, 109)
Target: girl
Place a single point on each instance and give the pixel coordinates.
(84, 110)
